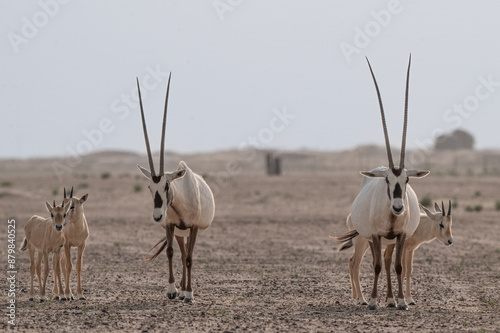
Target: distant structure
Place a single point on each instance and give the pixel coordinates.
(273, 164)
(458, 139)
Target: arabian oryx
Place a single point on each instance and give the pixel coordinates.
(45, 236)
(183, 205)
(76, 233)
(387, 207)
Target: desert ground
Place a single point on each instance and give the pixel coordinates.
(266, 263)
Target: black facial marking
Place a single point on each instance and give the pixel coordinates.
(167, 186)
(156, 179)
(397, 172)
(158, 200)
(398, 192)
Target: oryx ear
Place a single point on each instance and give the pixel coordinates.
(374, 174)
(84, 198)
(427, 211)
(436, 207)
(416, 173)
(145, 172)
(175, 175)
(49, 207)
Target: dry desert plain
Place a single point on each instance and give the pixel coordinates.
(266, 263)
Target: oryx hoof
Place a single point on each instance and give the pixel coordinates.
(403, 307)
(172, 295)
(63, 298)
(188, 300)
(42, 299)
(31, 299)
(411, 301)
(72, 298)
(373, 307)
(181, 297)
(391, 303)
(56, 298)
(82, 298)
(363, 303)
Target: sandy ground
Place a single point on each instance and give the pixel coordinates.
(265, 264)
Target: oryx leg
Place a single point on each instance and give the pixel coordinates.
(376, 248)
(387, 263)
(67, 272)
(189, 264)
(45, 275)
(408, 269)
(172, 292)
(400, 244)
(56, 268)
(32, 271)
(182, 247)
(79, 263)
(360, 247)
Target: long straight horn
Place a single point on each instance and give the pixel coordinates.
(65, 193)
(150, 158)
(449, 208)
(442, 205)
(162, 144)
(54, 204)
(405, 122)
(386, 135)
(71, 194)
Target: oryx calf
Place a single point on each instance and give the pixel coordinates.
(76, 233)
(183, 205)
(387, 207)
(45, 236)
(431, 226)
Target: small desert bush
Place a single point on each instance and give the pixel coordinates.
(476, 208)
(426, 201)
(137, 188)
(83, 185)
(497, 205)
(6, 184)
(106, 175)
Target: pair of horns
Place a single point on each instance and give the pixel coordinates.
(436, 206)
(71, 193)
(405, 122)
(162, 144)
(54, 205)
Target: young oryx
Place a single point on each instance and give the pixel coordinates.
(45, 235)
(387, 206)
(431, 226)
(76, 233)
(183, 207)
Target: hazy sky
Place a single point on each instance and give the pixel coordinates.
(282, 74)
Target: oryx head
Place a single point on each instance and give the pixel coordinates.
(395, 177)
(444, 221)
(57, 213)
(75, 204)
(159, 183)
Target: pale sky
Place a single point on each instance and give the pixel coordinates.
(273, 74)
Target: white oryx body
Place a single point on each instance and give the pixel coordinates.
(373, 204)
(386, 206)
(193, 200)
(183, 205)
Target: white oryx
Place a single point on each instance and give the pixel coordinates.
(183, 205)
(431, 226)
(387, 207)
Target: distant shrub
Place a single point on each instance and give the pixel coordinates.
(137, 188)
(497, 205)
(426, 201)
(106, 175)
(477, 194)
(83, 185)
(6, 184)
(454, 203)
(476, 208)
(55, 191)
